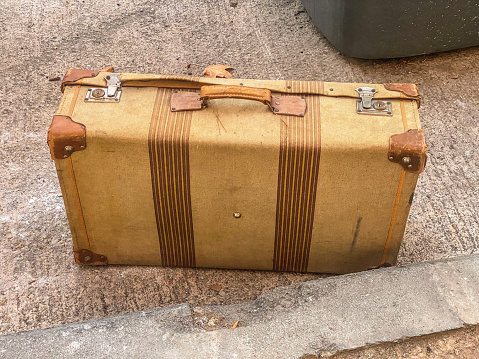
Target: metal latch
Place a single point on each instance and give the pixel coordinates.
(367, 106)
(110, 94)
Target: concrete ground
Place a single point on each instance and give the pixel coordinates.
(41, 286)
(306, 320)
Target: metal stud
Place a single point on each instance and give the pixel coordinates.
(391, 158)
(87, 259)
(69, 149)
(406, 160)
(237, 215)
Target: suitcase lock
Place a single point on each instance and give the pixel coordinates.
(110, 94)
(367, 106)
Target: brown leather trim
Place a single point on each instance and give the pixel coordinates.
(88, 258)
(185, 101)
(65, 136)
(288, 105)
(409, 90)
(218, 71)
(241, 92)
(409, 149)
(74, 75)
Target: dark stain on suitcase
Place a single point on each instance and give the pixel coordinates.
(411, 198)
(356, 233)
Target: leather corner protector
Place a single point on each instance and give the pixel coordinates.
(74, 75)
(409, 149)
(65, 136)
(88, 258)
(383, 265)
(107, 69)
(218, 71)
(409, 90)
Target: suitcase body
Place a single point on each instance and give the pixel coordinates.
(230, 173)
(372, 29)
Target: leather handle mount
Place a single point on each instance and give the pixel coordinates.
(240, 92)
(278, 104)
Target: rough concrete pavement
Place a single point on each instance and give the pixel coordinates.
(313, 318)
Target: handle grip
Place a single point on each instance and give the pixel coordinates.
(231, 91)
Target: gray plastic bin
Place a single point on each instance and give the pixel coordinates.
(375, 29)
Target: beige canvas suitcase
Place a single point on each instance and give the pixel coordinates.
(229, 173)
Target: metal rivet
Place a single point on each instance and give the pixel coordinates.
(69, 149)
(390, 113)
(65, 156)
(107, 77)
(93, 74)
(379, 105)
(276, 103)
(302, 97)
(237, 215)
(331, 89)
(87, 259)
(409, 166)
(173, 109)
(301, 115)
(391, 158)
(175, 91)
(102, 258)
(82, 147)
(241, 84)
(83, 127)
(373, 90)
(276, 110)
(97, 93)
(406, 160)
(409, 131)
(360, 89)
(288, 87)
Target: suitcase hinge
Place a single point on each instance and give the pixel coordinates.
(110, 94)
(367, 106)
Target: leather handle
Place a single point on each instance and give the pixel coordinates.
(229, 91)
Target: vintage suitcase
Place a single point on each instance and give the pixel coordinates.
(229, 173)
(372, 29)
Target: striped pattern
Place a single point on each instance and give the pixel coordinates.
(300, 151)
(305, 87)
(169, 163)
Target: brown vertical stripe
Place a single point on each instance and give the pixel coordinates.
(305, 87)
(169, 163)
(300, 148)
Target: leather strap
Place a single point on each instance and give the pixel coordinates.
(241, 92)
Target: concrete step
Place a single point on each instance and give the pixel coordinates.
(316, 317)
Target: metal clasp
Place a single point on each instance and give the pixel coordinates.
(367, 106)
(111, 94)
